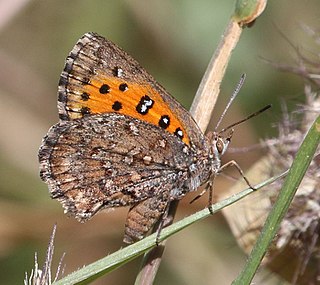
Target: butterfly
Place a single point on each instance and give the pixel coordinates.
(122, 140)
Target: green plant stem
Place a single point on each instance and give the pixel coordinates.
(291, 184)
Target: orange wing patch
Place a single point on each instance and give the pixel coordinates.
(111, 94)
(99, 77)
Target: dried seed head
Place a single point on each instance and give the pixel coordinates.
(298, 237)
(295, 252)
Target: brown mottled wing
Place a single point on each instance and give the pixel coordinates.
(143, 216)
(111, 160)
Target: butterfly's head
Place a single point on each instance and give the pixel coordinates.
(219, 142)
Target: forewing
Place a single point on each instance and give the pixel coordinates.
(99, 77)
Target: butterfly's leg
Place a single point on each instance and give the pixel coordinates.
(209, 186)
(200, 195)
(236, 165)
(210, 201)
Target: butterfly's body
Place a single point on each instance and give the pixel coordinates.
(122, 140)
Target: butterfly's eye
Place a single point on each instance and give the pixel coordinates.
(220, 146)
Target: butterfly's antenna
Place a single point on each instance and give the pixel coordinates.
(247, 118)
(233, 96)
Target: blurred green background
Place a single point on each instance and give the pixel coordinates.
(174, 41)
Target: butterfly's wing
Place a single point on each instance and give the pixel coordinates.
(111, 160)
(122, 139)
(99, 77)
(143, 216)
